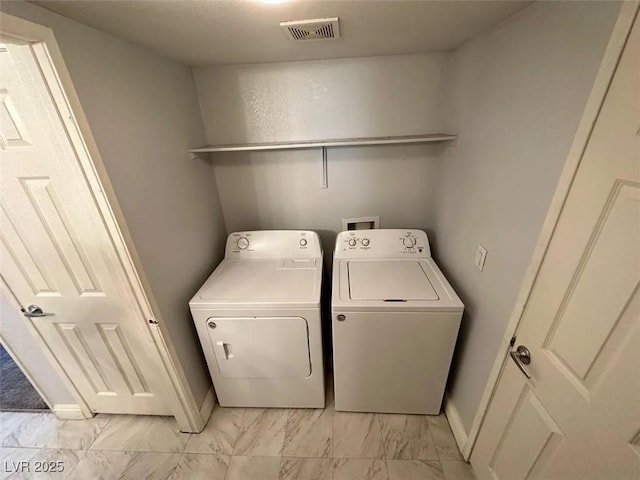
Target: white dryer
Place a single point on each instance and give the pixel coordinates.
(395, 321)
(258, 319)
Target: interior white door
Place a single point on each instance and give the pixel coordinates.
(578, 417)
(58, 255)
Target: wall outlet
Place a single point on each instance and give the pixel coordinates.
(481, 256)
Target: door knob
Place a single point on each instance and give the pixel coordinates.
(35, 311)
(522, 357)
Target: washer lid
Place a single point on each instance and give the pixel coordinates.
(391, 280)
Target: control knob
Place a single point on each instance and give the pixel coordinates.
(303, 242)
(352, 242)
(365, 242)
(409, 242)
(243, 243)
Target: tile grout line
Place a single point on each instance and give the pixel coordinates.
(284, 432)
(142, 437)
(237, 435)
(226, 470)
(98, 434)
(178, 463)
(284, 435)
(124, 467)
(235, 441)
(75, 466)
(433, 441)
(384, 448)
(240, 429)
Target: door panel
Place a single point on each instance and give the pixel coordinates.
(23, 258)
(578, 417)
(616, 231)
(12, 130)
(531, 438)
(57, 253)
(45, 203)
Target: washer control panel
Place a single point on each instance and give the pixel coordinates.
(273, 244)
(356, 241)
(409, 241)
(382, 243)
(243, 243)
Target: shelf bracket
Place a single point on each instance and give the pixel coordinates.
(323, 173)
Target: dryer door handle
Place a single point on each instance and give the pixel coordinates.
(225, 350)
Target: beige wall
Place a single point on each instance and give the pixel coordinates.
(517, 94)
(281, 190)
(357, 97)
(353, 97)
(143, 112)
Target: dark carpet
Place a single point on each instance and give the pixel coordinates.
(16, 392)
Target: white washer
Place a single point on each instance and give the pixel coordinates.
(395, 321)
(258, 319)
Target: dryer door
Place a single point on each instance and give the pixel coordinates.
(261, 347)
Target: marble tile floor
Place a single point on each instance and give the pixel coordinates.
(237, 444)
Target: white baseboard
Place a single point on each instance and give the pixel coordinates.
(69, 412)
(455, 422)
(207, 405)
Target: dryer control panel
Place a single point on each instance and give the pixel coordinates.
(382, 243)
(273, 244)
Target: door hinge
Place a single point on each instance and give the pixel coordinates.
(512, 342)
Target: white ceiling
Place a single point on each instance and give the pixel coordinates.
(202, 32)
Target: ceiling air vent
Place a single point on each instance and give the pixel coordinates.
(315, 29)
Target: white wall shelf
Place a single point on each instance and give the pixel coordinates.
(343, 142)
(203, 152)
